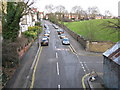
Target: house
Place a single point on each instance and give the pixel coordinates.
(111, 67)
(46, 16)
(41, 15)
(34, 13)
(99, 16)
(28, 20)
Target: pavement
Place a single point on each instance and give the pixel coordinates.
(96, 84)
(56, 65)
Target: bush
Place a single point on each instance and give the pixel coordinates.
(33, 32)
(38, 24)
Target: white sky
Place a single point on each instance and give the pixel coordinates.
(111, 5)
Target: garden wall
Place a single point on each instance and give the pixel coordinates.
(94, 46)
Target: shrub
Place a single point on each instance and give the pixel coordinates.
(38, 24)
(33, 32)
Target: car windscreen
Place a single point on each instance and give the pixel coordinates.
(66, 39)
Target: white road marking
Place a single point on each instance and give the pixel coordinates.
(35, 59)
(55, 47)
(86, 66)
(57, 69)
(81, 64)
(56, 55)
(83, 67)
(28, 77)
(84, 70)
(59, 87)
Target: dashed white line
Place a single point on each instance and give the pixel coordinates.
(86, 66)
(81, 64)
(56, 55)
(83, 67)
(28, 77)
(84, 70)
(55, 47)
(57, 69)
(59, 87)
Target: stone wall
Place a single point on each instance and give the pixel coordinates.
(111, 74)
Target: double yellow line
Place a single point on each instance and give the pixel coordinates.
(34, 70)
(83, 81)
(72, 49)
(83, 78)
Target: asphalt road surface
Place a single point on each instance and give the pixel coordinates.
(57, 65)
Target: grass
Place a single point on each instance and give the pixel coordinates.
(94, 30)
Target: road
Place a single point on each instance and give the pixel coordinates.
(59, 67)
(56, 65)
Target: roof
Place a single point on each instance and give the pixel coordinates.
(114, 53)
(34, 9)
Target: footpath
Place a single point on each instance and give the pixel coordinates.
(19, 78)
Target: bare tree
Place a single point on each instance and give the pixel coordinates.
(108, 13)
(93, 11)
(78, 10)
(60, 9)
(49, 8)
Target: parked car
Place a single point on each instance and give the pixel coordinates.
(46, 34)
(44, 42)
(55, 26)
(46, 26)
(62, 36)
(45, 37)
(47, 31)
(60, 31)
(65, 41)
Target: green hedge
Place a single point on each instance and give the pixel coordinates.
(33, 32)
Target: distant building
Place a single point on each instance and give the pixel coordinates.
(28, 20)
(47, 16)
(34, 13)
(99, 16)
(41, 15)
(111, 67)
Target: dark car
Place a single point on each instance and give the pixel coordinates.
(44, 42)
(65, 41)
(46, 26)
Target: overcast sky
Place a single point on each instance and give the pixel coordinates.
(111, 5)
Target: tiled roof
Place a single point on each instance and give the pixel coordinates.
(114, 53)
